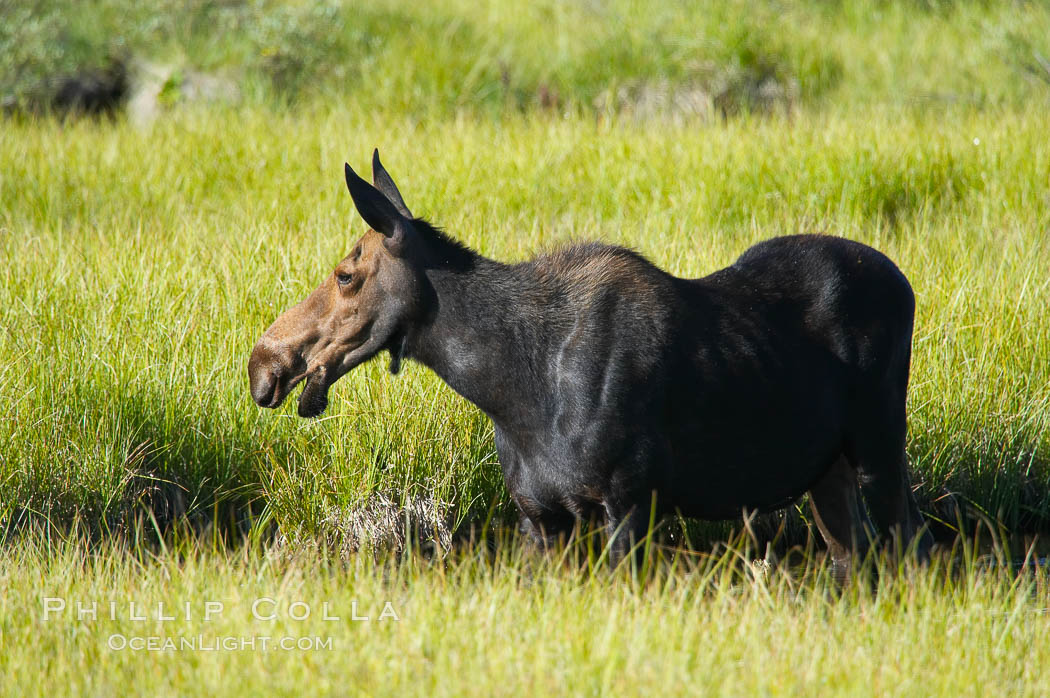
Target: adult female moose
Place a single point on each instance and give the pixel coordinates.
(610, 381)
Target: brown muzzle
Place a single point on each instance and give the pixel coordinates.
(262, 377)
(271, 374)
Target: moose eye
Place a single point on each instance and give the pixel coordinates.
(344, 279)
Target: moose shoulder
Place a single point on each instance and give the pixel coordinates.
(613, 385)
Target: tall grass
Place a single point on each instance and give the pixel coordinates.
(141, 264)
(140, 260)
(507, 624)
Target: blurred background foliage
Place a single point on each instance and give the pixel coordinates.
(623, 56)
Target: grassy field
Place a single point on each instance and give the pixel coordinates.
(141, 258)
(144, 264)
(475, 626)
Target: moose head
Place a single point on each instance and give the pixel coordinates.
(363, 307)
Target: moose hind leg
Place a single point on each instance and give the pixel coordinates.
(879, 457)
(840, 517)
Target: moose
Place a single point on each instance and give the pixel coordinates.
(620, 393)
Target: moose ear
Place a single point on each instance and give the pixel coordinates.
(384, 183)
(378, 212)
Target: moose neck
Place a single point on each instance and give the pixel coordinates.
(477, 337)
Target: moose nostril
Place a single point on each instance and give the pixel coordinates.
(263, 385)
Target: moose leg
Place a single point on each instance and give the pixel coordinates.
(629, 498)
(542, 525)
(840, 517)
(894, 509)
(542, 533)
(627, 524)
(879, 456)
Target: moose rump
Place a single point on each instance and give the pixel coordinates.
(795, 377)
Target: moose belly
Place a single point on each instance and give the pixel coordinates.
(724, 487)
(759, 453)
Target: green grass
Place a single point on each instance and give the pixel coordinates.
(139, 262)
(475, 625)
(143, 264)
(490, 57)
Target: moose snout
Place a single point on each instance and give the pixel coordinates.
(263, 383)
(264, 375)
